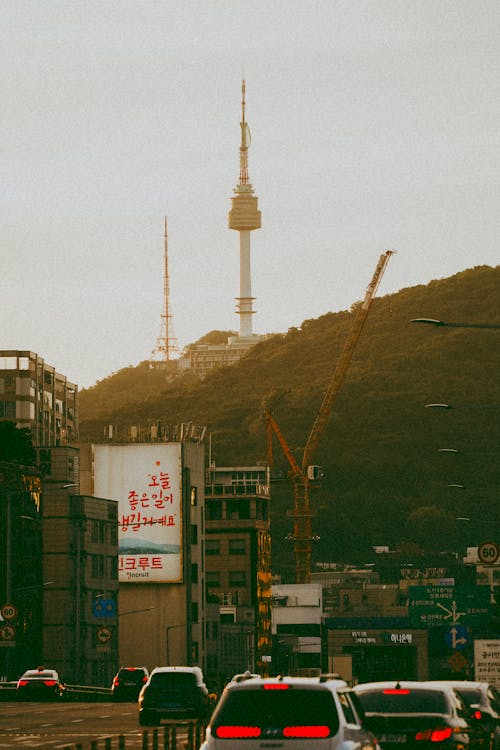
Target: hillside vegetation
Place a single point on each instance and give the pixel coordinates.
(385, 481)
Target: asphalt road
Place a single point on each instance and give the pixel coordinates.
(54, 726)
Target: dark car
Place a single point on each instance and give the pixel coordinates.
(483, 702)
(418, 715)
(289, 713)
(128, 683)
(173, 693)
(40, 684)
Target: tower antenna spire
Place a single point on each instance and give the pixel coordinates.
(166, 343)
(244, 217)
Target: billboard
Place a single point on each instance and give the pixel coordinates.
(146, 481)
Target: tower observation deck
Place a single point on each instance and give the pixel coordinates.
(244, 217)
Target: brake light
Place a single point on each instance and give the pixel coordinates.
(237, 732)
(116, 681)
(396, 691)
(434, 735)
(309, 732)
(49, 683)
(277, 686)
(477, 715)
(144, 679)
(22, 683)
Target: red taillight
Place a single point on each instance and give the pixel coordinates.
(277, 686)
(237, 732)
(477, 715)
(22, 683)
(144, 679)
(396, 691)
(307, 732)
(116, 681)
(50, 683)
(434, 735)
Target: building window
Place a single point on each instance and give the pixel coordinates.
(194, 573)
(237, 578)
(194, 611)
(212, 547)
(212, 578)
(214, 510)
(194, 534)
(236, 546)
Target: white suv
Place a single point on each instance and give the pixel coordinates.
(291, 713)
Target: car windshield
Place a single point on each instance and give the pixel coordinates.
(35, 674)
(278, 708)
(135, 675)
(401, 701)
(173, 680)
(470, 696)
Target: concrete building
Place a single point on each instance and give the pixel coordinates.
(238, 577)
(79, 562)
(297, 611)
(35, 396)
(160, 492)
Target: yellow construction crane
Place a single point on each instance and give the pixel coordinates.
(303, 474)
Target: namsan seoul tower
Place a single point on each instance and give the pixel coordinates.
(244, 217)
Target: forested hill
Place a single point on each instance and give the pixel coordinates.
(385, 479)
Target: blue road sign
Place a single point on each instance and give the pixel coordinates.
(104, 608)
(457, 637)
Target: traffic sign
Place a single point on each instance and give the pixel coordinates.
(9, 611)
(457, 637)
(434, 606)
(488, 552)
(7, 633)
(103, 635)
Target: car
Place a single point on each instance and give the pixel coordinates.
(128, 682)
(483, 700)
(290, 713)
(173, 693)
(40, 684)
(242, 676)
(418, 715)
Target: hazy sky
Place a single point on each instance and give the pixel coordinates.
(375, 125)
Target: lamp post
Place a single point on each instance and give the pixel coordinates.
(167, 630)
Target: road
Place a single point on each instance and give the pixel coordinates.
(54, 726)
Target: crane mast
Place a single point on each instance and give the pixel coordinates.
(302, 523)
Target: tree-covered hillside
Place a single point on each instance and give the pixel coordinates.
(386, 481)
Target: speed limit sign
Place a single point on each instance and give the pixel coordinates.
(9, 611)
(488, 552)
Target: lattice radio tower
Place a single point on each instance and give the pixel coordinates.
(167, 347)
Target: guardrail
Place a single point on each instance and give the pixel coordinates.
(187, 736)
(88, 693)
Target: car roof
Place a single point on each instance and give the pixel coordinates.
(40, 672)
(305, 682)
(403, 684)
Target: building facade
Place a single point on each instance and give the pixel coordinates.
(160, 492)
(238, 577)
(35, 396)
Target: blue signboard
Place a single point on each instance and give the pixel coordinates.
(104, 608)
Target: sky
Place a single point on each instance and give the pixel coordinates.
(375, 126)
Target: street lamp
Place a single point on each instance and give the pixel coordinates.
(168, 629)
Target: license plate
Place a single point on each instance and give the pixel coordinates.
(395, 738)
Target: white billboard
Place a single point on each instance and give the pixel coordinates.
(487, 661)
(146, 481)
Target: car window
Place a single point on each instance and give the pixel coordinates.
(173, 679)
(494, 698)
(347, 708)
(470, 696)
(403, 701)
(278, 707)
(131, 674)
